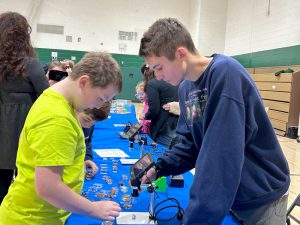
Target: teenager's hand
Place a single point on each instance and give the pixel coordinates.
(150, 175)
(105, 210)
(92, 165)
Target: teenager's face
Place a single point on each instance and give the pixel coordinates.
(164, 69)
(94, 97)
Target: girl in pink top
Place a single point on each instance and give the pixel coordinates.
(142, 97)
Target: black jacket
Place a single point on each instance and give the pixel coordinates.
(159, 93)
(16, 97)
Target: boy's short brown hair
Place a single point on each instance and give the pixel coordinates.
(53, 64)
(101, 113)
(164, 37)
(102, 69)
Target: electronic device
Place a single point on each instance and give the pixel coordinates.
(138, 169)
(133, 130)
(57, 75)
(127, 126)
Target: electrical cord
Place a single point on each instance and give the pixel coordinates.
(179, 213)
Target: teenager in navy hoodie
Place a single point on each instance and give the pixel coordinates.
(224, 133)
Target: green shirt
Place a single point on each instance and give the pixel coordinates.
(51, 136)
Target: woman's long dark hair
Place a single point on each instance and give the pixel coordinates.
(147, 75)
(15, 45)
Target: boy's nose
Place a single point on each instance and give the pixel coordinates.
(158, 75)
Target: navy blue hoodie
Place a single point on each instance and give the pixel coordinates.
(227, 136)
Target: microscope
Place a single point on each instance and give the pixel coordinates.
(137, 171)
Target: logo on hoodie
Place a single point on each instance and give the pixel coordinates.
(195, 105)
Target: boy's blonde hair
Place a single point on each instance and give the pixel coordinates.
(164, 37)
(102, 69)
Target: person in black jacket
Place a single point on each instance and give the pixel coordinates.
(22, 80)
(163, 123)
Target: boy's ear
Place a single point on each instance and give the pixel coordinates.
(83, 81)
(181, 53)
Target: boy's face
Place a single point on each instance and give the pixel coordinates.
(93, 97)
(85, 120)
(164, 69)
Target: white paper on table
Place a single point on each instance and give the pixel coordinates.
(111, 153)
(119, 125)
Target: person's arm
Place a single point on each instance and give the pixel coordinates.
(219, 164)
(50, 188)
(88, 132)
(153, 101)
(180, 159)
(54, 145)
(88, 160)
(36, 75)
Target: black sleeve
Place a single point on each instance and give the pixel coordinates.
(153, 101)
(88, 143)
(37, 77)
(182, 157)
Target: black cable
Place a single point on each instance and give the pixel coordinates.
(179, 213)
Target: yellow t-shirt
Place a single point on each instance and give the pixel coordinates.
(51, 136)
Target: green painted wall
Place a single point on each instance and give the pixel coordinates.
(276, 57)
(129, 64)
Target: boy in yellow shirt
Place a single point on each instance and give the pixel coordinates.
(51, 152)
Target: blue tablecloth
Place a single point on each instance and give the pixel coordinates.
(106, 137)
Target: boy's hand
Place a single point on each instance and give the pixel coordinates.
(105, 210)
(150, 175)
(92, 165)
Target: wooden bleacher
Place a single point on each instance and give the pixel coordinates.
(281, 94)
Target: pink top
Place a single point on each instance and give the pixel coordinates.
(146, 123)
